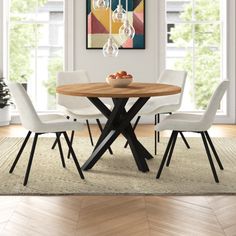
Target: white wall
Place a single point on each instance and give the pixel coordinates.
(231, 60)
(141, 63)
(1, 37)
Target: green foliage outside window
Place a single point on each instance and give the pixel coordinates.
(22, 39)
(23, 42)
(207, 54)
(55, 65)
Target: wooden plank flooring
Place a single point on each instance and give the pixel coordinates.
(118, 215)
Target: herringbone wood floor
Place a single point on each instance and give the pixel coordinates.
(118, 215)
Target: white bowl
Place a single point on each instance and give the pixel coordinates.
(119, 83)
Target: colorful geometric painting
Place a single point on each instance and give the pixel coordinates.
(98, 25)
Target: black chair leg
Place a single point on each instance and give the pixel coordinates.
(30, 159)
(54, 144)
(172, 148)
(214, 150)
(20, 152)
(155, 136)
(184, 139)
(60, 150)
(90, 134)
(73, 155)
(209, 157)
(158, 133)
(71, 141)
(165, 155)
(134, 127)
(100, 127)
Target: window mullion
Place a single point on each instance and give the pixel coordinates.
(193, 54)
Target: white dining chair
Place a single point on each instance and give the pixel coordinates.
(165, 104)
(40, 124)
(77, 108)
(184, 122)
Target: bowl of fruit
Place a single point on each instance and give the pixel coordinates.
(120, 79)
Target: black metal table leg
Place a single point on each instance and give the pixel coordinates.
(100, 127)
(119, 123)
(134, 127)
(137, 149)
(111, 116)
(107, 133)
(129, 134)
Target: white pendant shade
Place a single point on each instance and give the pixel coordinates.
(110, 49)
(100, 4)
(126, 31)
(119, 14)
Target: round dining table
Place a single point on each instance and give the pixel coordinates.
(118, 118)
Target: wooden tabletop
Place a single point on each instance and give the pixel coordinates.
(105, 90)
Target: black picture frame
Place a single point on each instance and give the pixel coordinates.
(114, 4)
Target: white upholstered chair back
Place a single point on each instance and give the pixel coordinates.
(177, 78)
(72, 77)
(214, 104)
(28, 115)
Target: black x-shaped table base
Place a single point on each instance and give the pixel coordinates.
(119, 123)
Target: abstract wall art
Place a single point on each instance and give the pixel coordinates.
(97, 25)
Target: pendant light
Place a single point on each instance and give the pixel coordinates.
(100, 4)
(110, 49)
(119, 13)
(126, 31)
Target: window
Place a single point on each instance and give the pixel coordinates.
(169, 28)
(195, 43)
(36, 47)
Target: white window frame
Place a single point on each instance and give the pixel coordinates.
(229, 117)
(68, 42)
(69, 35)
(1, 38)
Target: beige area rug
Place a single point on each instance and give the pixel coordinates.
(188, 174)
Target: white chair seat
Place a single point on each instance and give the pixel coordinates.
(89, 112)
(56, 123)
(156, 105)
(182, 122)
